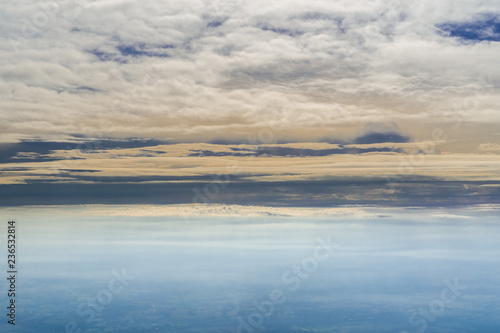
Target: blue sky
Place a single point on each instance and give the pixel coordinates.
(482, 28)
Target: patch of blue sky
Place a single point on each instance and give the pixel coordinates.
(487, 28)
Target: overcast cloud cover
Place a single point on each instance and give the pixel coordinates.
(205, 70)
(148, 93)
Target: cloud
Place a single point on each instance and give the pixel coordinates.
(191, 71)
(74, 176)
(489, 147)
(451, 216)
(381, 138)
(297, 152)
(37, 151)
(149, 161)
(410, 191)
(227, 211)
(377, 132)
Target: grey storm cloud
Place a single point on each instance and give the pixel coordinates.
(381, 133)
(39, 151)
(410, 191)
(295, 152)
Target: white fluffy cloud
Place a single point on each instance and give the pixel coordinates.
(201, 70)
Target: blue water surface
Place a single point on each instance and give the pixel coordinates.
(399, 270)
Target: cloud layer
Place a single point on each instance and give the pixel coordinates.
(314, 103)
(191, 70)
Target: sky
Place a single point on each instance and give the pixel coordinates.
(250, 102)
(196, 142)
